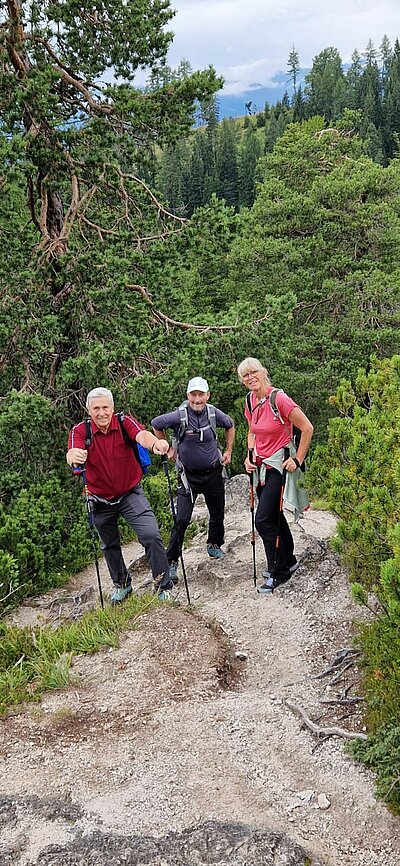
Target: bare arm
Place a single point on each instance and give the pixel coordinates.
(300, 420)
(160, 434)
(155, 444)
(229, 440)
(251, 441)
(76, 456)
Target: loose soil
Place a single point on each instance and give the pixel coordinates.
(179, 746)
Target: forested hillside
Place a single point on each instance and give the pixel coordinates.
(105, 281)
(222, 158)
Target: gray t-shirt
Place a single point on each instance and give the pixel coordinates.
(199, 447)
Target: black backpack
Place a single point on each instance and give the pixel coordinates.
(184, 423)
(272, 402)
(141, 454)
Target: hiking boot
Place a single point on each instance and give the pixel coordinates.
(165, 595)
(272, 583)
(173, 572)
(292, 568)
(163, 584)
(214, 551)
(120, 593)
(267, 588)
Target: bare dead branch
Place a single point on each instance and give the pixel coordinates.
(53, 372)
(339, 659)
(323, 732)
(339, 675)
(160, 208)
(162, 317)
(12, 591)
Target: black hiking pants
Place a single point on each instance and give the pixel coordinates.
(210, 483)
(136, 510)
(270, 522)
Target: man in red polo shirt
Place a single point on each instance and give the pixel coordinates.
(113, 478)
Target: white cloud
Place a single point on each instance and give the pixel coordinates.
(249, 41)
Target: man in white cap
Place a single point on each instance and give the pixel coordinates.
(200, 465)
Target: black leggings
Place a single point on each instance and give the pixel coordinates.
(270, 522)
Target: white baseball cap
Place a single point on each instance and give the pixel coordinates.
(197, 384)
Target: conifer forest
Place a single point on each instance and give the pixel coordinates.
(143, 241)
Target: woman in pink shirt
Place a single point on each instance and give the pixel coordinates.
(270, 451)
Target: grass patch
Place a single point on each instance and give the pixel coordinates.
(319, 504)
(35, 660)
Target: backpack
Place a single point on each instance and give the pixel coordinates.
(184, 423)
(272, 402)
(141, 454)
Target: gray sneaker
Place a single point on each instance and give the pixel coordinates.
(165, 595)
(120, 593)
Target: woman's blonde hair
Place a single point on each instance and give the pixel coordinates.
(251, 365)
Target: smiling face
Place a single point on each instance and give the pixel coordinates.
(254, 380)
(101, 411)
(198, 399)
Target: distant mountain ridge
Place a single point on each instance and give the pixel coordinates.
(231, 105)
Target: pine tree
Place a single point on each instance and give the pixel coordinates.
(299, 106)
(322, 82)
(353, 81)
(386, 54)
(227, 167)
(391, 102)
(293, 65)
(250, 153)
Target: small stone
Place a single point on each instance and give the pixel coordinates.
(323, 802)
(241, 655)
(305, 795)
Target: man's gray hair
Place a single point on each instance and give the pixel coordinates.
(98, 392)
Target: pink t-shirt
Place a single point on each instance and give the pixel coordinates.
(270, 433)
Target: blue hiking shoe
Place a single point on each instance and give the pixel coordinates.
(162, 586)
(120, 593)
(214, 551)
(165, 595)
(173, 572)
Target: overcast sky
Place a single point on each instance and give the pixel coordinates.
(248, 41)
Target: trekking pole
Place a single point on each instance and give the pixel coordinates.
(277, 541)
(80, 470)
(164, 462)
(253, 526)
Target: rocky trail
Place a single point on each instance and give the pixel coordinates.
(192, 742)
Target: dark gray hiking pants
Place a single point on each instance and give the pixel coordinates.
(210, 483)
(136, 510)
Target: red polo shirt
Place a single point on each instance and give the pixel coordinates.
(111, 467)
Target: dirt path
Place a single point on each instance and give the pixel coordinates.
(172, 730)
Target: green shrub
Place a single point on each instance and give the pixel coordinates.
(359, 472)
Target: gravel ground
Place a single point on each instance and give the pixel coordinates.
(184, 744)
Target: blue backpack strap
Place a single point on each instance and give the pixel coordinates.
(141, 454)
